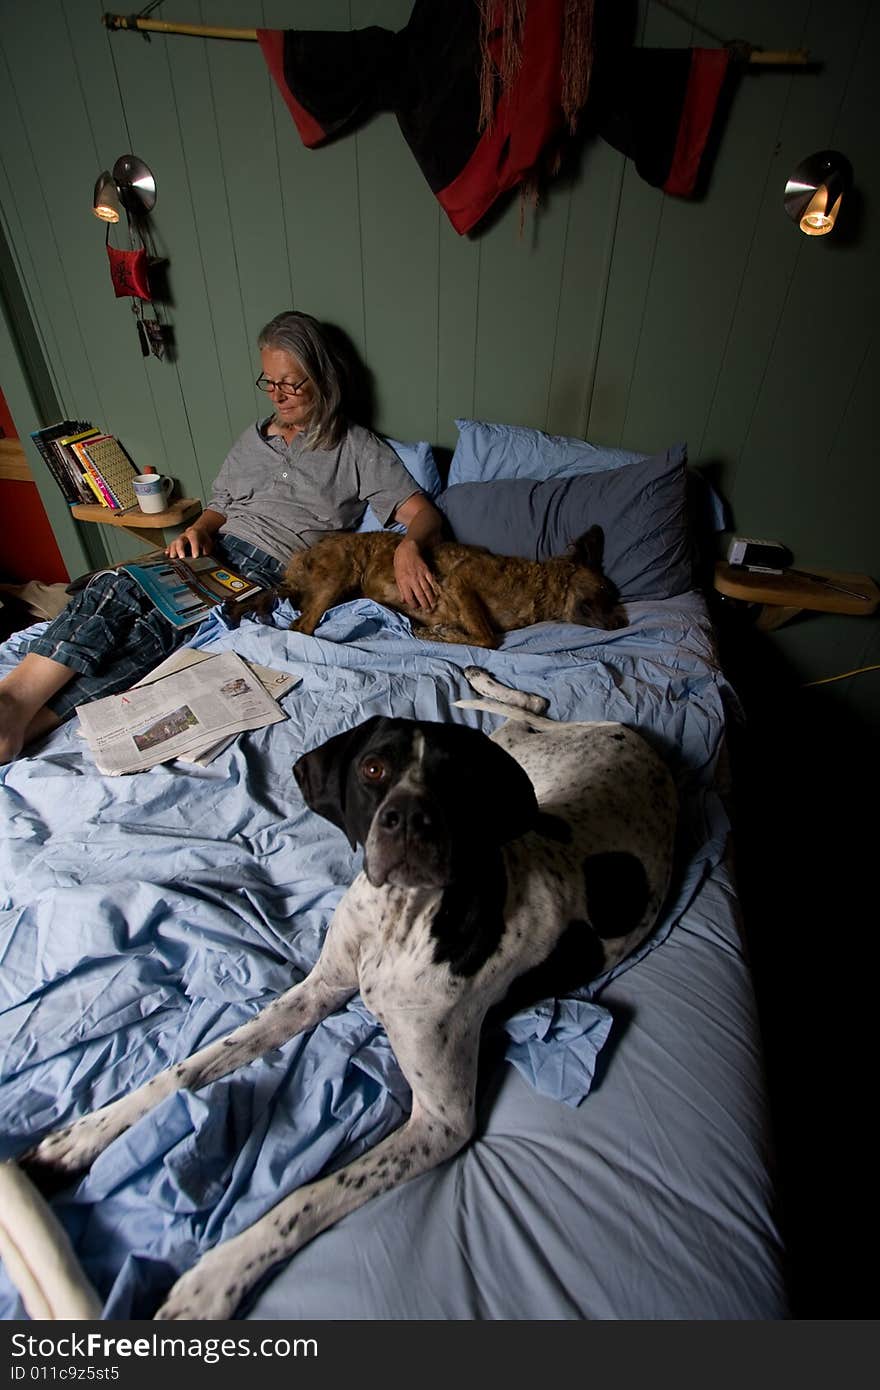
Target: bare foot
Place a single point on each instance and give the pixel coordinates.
(23, 696)
(14, 720)
(19, 725)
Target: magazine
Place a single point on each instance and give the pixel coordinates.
(192, 709)
(185, 591)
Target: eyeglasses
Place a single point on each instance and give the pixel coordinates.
(284, 388)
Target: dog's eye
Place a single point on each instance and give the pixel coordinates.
(373, 770)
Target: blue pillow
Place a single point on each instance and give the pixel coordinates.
(486, 452)
(641, 507)
(418, 460)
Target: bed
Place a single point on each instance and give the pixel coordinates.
(622, 1167)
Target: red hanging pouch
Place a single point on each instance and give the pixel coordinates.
(129, 272)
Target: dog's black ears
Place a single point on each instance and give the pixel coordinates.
(495, 793)
(515, 806)
(589, 549)
(323, 773)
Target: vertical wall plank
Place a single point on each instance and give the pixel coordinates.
(399, 250)
(458, 293)
(399, 232)
(319, 190)
(589, 243)
(520, 277)
(245, 131)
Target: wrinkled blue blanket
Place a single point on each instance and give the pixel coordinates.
(143, 916)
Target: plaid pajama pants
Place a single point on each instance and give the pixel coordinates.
(111, 635)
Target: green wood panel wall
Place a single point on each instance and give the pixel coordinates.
(615, 312)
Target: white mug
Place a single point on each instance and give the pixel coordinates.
(152, 491)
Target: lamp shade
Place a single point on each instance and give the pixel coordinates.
(131, 186)
(136, 184)
(105, 202)
(815, 190)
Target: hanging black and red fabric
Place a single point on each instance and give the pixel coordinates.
(659, 106)
(429, 74)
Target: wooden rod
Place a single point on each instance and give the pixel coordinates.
(797, 57)
(160, 26)
(793, 57)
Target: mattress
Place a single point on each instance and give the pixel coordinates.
(622, 1166)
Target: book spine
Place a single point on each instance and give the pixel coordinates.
(65, 484)
(69, 462)
(94, 479)
(123, 494)
(93, 485)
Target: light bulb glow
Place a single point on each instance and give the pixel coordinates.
(818, 218)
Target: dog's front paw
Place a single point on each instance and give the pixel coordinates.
(488, 686)
(60, 1159)
(206, 1293)
(69, 1153)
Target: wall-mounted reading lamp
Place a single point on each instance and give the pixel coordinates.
(131, 186)
(814, 191)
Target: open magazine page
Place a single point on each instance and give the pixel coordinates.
(185, 591)
(196, 707)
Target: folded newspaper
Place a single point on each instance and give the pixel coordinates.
(187, 712)
(276, 682)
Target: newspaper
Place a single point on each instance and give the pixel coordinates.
(192, 709)
(277, 683)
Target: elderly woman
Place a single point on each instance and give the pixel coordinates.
(303, 471)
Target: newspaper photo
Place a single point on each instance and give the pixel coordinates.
(193, 708)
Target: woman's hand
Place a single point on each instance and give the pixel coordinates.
(191, 542)
(417, 585)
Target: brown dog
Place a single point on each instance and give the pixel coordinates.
(482, 595)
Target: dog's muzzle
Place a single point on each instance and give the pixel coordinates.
(408, 843)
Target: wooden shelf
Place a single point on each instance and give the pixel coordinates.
(784, 595)
(138, 523)
(175, 515)
(13, 463)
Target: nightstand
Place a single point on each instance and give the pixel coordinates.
(144, 525)
(781, 596)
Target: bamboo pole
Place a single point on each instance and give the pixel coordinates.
(161, 26)
(797, 57)
(793, 57)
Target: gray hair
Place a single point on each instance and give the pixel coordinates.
(304, 338)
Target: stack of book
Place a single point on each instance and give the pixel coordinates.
(88, 465)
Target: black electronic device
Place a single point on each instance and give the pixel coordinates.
(768, 557)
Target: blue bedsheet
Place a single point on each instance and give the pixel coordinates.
(143, 916)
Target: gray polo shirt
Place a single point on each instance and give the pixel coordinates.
(282, 497)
